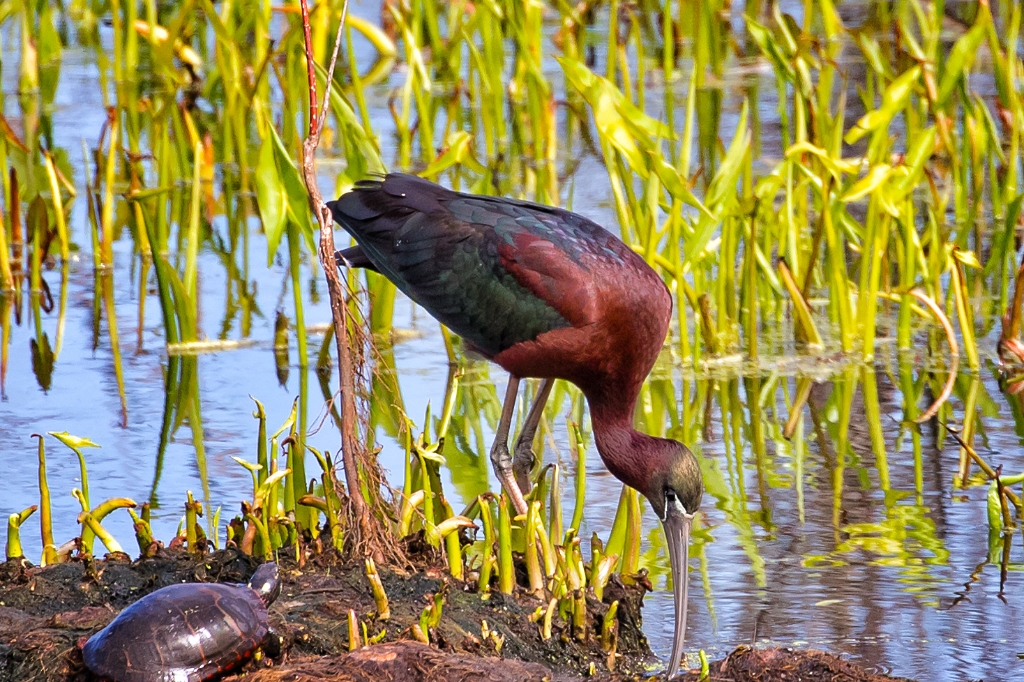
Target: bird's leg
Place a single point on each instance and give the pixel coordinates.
(522, 462)
(500, 457)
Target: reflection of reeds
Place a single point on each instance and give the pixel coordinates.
(6, 275)
(6, 306)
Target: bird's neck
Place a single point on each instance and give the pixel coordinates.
(626, 452)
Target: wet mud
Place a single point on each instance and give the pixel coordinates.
(45, 614)
(746, 664)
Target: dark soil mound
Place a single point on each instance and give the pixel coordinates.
(745, 664)
(45, 614)
(404, 662)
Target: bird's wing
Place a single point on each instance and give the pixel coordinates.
(550, 273)
(353, 257)
(490, 269)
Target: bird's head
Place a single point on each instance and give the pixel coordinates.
(677, 482)
(674, 490)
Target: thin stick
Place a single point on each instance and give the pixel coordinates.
(983, 465)
(1003, 506)
(330, 71)
(954, 351)
(311, 76)
(339, 309)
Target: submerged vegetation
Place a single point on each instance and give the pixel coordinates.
(831, 194)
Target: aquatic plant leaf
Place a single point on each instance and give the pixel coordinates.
(1005, 243)
(184, 310)
(73, 442)
(912, 45)
(378, 38)
(786, 27)
(961, 57)
(271, 198)
(722, 189)
(458, 152)
(994, 508)
(42, 361)
(296, 197)
(674, 183)
(878, 174)
(836, 167)
(49, 55)
(918, 154)
(893, 99)
(602, 95)
(599, 90)
(995, 143)
(151, 192)
(360, 148)
(251, 466)
(873, 55)
(767, 187)
(271, 480)
(801, 310)
(723, 185)
(968, 258)
(766, 42)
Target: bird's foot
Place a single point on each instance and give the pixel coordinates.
(522, 465)
(502, 462)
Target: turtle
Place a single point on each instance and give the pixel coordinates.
(190, 632)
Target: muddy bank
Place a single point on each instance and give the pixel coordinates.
(411, 661)
(745, 664)
(44, 613)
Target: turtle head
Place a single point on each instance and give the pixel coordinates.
(266, 581)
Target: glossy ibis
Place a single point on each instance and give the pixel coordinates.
(543, 293)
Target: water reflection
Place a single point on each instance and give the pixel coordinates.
(852, 535)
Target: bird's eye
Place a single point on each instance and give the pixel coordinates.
(672, 502)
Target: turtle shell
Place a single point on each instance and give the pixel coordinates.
(181, 633)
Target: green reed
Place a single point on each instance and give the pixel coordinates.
(816, 184)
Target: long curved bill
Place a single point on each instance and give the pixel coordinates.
(677, 531)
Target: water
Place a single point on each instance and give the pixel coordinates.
(816, 541)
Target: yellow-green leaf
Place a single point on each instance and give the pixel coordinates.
(961, 57)
(968, 258)
(893, 99)
(270, 197)
(869, 183)
(297, 199)
(73, 442)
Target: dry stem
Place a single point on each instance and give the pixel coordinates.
(1009, 340)
(954, 355)
(369, 536)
